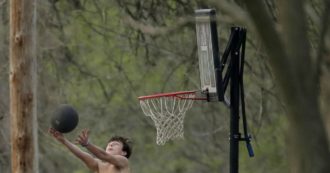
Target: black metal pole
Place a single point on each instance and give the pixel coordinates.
(234, 102)
(234, 74)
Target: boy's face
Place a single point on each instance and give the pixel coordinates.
(115, 148)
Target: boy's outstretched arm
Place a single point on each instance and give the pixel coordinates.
(89, 161)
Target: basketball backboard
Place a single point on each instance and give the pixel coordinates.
(208, 54)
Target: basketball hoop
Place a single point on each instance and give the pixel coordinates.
(168, 110)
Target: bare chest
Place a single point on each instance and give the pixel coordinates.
(109, 168)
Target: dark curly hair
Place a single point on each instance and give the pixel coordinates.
(126, 144)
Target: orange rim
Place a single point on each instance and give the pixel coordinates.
(179, 94)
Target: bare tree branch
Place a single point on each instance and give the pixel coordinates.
(238, 14)
(68, 55)
(156, 30)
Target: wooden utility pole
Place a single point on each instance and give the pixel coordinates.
(24, 149)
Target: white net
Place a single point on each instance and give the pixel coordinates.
(168, 114)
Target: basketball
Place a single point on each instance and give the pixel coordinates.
(64, 119)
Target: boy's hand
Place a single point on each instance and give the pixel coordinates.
(57, 135)
(83, 138)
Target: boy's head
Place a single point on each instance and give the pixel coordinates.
(119, 145)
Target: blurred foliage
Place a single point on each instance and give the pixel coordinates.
(91, 57)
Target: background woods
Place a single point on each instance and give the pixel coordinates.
(101, 55)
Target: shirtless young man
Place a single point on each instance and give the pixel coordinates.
(113, 160)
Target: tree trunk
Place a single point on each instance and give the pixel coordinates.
(325, 100)
(24, 158)
(291, 62)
